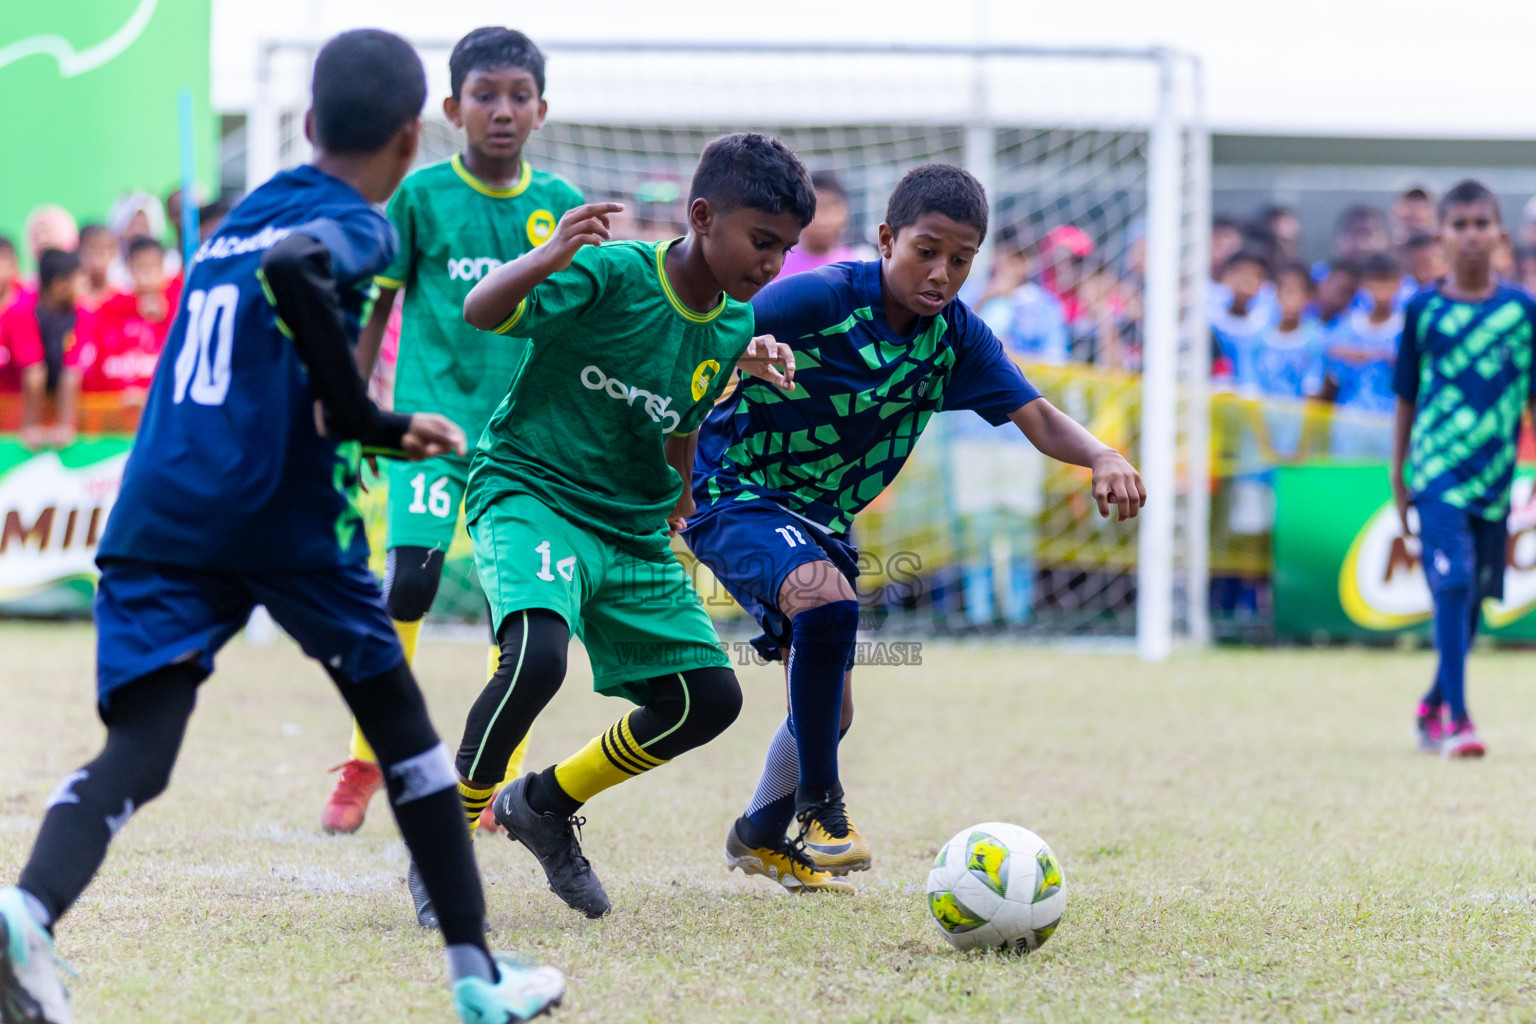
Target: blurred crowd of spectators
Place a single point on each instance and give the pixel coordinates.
(94, 317)
(1280, 327)
(1328, 331)
(96, 314)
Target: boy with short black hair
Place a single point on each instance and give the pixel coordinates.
(97, 251)
(1360, 233)
(457, 220)
(1362, 348)
(578, 475)
(1337, 286)
(1425, 257)
(235, 495)
(880, 346)
(1462, 379)
(41, 333)
(1235, 328)
(1286, 360)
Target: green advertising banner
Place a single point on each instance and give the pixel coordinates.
(1343, 569)
(54, 506)
(90, 91)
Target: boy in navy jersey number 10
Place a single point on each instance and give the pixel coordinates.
(239, 492)
(879, 347)
(1463, 378)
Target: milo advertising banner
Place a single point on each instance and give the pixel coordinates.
(53, 506)
(1344, 569)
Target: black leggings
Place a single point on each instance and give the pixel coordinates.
(146, 721)
(411, 576)
(686, 709)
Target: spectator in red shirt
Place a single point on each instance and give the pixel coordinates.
(98, 248)
(10, 274)
(119, 351)
(38, 335)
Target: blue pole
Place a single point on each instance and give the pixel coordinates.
(190, 229)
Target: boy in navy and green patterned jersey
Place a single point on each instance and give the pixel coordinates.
(779, 476)
(457, 221)
(1463, 376)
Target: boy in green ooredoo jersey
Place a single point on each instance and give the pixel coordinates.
(457, 221)
(576, 481)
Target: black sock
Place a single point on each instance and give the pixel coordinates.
(754, 836)
(145, 723)
(433, 829)
(546, 797)
(424, 795)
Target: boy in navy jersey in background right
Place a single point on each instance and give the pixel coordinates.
(1463, 378)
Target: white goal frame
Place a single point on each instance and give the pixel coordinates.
(1173, 548)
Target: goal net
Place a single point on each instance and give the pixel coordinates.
(1095, 165)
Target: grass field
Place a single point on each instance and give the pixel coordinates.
(1245, 836)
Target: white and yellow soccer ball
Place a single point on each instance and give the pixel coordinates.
(996, 886)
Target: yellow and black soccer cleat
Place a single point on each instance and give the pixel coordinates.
(830, 839)
(786, 863)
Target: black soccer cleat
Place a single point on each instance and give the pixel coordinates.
(426, 913)
(554, 841)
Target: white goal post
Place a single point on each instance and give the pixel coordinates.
(1109, 142)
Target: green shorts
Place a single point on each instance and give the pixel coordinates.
(424, 502)
(638, 619)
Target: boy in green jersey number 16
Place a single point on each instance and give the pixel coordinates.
(576, 477)
(457, 221)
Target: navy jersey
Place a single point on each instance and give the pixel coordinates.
(1466, 366)
(228, 470)
(863, 395)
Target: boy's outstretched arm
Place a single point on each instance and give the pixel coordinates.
(680, 449)
(1402, 433)
(491, 302)
(301, 285)
(1062, 438)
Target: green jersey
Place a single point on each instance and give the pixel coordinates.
(615, 364)
(454, 229)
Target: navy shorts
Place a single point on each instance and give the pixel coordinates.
(752, 548)
(1462, 550)
(150, 615)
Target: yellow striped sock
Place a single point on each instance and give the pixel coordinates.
(607, 761)
(474, 801)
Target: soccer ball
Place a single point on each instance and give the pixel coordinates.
(996, 886)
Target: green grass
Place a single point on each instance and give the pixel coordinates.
(1245, 836)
